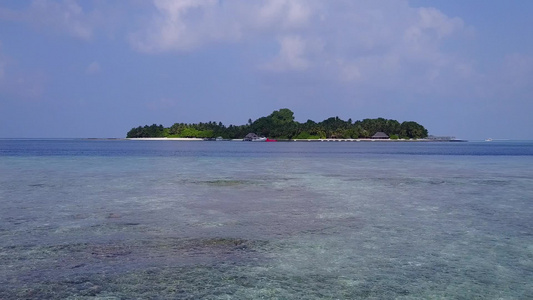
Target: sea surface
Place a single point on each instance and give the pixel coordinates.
(118, 219)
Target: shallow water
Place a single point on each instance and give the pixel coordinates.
(230, 220)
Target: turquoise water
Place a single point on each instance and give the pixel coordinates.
(233, 220)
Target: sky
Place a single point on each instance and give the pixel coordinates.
(97, 68)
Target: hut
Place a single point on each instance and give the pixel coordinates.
(250, 137)
(380, 136)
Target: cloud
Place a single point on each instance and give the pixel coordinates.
(358, 44)
(292, 55)
(93, 68)
(373, 45)
(65, 16)
(431, 18)
(184, 25)
(284, 13)
(384, 42)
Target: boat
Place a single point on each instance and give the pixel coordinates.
(259, 139)
(215, 139)
(488, 140)
(252, 137)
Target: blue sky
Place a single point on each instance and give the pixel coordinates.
(98, 68)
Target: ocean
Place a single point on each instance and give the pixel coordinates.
(119, 219)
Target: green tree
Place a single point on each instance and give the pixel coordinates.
(410, 129)
(281, 124)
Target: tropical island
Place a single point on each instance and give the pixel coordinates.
(281, 125)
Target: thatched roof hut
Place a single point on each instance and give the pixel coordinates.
(380, 136)
(250, 136)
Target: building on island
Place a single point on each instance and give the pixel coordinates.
(250, 137)
(380, 136)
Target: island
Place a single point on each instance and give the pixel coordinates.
(280, 125)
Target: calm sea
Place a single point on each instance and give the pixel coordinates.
(90, 219)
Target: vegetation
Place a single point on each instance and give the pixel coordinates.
(280, 124)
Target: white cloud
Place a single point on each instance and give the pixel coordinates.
(383, 42)
(184, 25)
(349, 72)
(393, 46)
(65, 16)
(431, 18)
(292, 55)
(285, 13)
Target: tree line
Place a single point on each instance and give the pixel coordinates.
(280, 124)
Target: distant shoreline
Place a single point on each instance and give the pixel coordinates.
(301, 140)
(164, 139)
